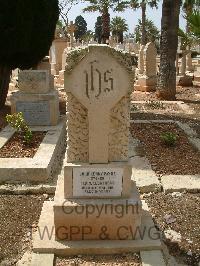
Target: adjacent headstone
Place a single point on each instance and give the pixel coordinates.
(56, 52)
(36, 98)
(97, 169)
(141, 59)
(184, 79)
(189, 66)
(148, 79)
(183, 64)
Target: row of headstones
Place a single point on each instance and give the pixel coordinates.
(148, 68)
(60, 44)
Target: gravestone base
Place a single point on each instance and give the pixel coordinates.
(147, 238)
(38, 109)
(87, 219)
(185, 81)
(146, 84)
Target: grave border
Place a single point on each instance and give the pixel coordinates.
(152, 183)
(42, 166)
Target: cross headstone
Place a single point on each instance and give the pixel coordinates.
(71, 29)
(98, 89)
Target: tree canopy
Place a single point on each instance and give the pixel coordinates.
(153, 33)
(81, 27)
(118, 27)
(27, 30)
(98, 29)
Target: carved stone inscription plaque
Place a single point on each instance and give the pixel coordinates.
(97, 182)
(35, 113)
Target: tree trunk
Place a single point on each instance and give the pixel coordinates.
(121, 37)
(105, 25)
(166, 86)
(4, 84)
(144, 33)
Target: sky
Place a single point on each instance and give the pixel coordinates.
(130, 16)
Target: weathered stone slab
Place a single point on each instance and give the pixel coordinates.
(38, 109)
(145, 178)
(42, 259)
(34, 81)
(35, 113)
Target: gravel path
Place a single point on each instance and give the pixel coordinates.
(179, 212)
(130, 259)
(19, 215)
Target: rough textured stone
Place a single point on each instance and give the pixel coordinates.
(172, 235)
(109, 105)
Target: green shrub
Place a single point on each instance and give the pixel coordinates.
(169, 138)
(17, 122)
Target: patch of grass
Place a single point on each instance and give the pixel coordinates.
(169, 138)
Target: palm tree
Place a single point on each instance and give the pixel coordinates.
(166, 86)
(193, 21)
(135, 4)
(188, 7)
(153, 33)
(118, 26)
(191, 9)
(103, 7)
